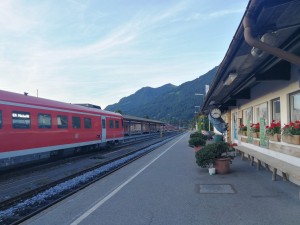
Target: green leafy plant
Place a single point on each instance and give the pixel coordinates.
(198, 134)
(197, 141)
(293, 128)
(274, 128)
(242, 127)
(209, 153)
(255, 127)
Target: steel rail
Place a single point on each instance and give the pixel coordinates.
(33, 210)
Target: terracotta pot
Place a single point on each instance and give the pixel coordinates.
(222, 165)
(197, 148)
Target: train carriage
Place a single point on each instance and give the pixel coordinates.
(35, 128)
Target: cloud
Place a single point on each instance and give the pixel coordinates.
(74, 52)
(17, 17)
(198, 16)
(223, 13)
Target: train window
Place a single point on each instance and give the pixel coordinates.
(117, 124)
(87, 123)
(44, 120)
(103, 123)
(62, 121)
(21, 120)
(0, 119)
(111, 124)
(76, 122)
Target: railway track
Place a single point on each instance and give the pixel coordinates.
(21, 207)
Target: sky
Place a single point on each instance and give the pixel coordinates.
(98, 51)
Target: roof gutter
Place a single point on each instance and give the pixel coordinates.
(249, 25)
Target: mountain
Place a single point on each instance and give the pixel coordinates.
(170, 103)
(142, 97)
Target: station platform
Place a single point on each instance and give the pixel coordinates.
(166, 187)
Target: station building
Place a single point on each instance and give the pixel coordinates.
(258, 83)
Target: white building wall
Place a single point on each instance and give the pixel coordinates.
(266, 92)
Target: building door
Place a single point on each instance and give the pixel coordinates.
(235, 126)
(103, 122)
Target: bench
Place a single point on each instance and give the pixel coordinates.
(288, 170)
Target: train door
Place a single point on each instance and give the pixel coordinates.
(103, 122)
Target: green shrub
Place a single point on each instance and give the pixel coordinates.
(198, 134)
(205, 157)
(197, 141)
(209, 153)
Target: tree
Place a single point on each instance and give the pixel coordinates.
(119, 111)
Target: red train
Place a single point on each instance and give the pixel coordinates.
(34, 128)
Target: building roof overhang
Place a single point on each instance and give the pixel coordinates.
(274, 23)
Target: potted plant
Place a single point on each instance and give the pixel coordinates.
(218, 154)
(291, 133)
(197, 142)
(255, 128)
(243, 130)
(273, 131)
(197, 134)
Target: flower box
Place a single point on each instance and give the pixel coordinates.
(291, 139)
(275, 137)
(291, 133)
(242, 130)
(244, 139)
(286, 138)
(295, 139)
(273, 131)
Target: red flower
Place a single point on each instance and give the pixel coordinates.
(274, 128)
(293, 128)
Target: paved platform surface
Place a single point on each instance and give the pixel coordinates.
(166, 187)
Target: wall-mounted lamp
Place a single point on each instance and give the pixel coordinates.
(268, 38)
(231, 77)
(256, 52)
(212, 102)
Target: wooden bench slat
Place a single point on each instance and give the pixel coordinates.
(281, 165)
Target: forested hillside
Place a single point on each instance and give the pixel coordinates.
(168, 103)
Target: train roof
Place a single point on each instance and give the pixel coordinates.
(7, 96)
(139, 119)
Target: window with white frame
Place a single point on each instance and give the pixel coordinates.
(247, 115)
(276, 109)
(295, 106)
(261, 111)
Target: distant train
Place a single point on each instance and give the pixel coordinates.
(33, 128)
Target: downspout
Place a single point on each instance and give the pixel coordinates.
(249, 24)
